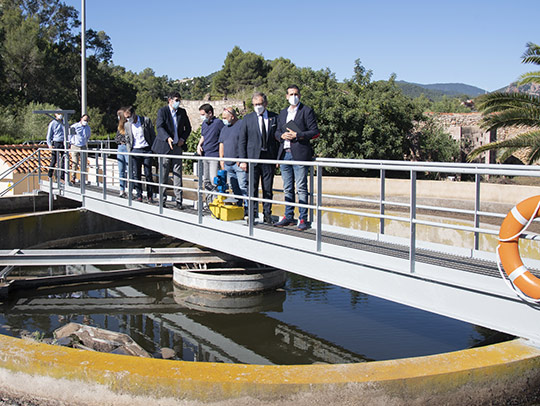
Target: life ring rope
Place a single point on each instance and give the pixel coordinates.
(520, 271)
(510, 281)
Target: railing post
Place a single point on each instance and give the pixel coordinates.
(104, 176)
(251, 188)
(97, 167)
(200, 187)
(412, 219)
(39, 166)
(130, 184)
(160, 186)
(382, 199)
(50, 195)
(318, 230)
(84, 158)
(311, 198)
(476, 210)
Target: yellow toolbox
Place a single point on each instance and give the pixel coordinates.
(226, 212)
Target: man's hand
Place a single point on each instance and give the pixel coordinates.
(199, 149)
(170, 141)
(243, 166)
(181, 142)
(289, 135)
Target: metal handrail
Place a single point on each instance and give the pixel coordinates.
(9, 188)
(12, 169)
(316, 201)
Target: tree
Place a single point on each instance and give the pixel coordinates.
(450, 105)
(431, 143)
(22, 57)
(360, 119)
(241, 71)
(501, 110)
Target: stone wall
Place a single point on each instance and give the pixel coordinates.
(465, 128)
(192, 108)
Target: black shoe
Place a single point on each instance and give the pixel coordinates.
(284, 222)
(179, 206)
(268, 220)
(151, 200)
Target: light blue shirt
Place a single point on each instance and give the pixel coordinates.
(55, 132)
(79, 134)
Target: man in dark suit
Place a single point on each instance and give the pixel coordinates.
(173, 129)
(256, 140)
(295, 146)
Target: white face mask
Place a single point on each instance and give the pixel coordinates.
(204, 119)
(294, 100)
(259, 109)
(84, 122)
(226, 122)
(175, 105)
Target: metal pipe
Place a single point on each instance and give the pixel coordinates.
(318, 230)
(412, 244)
(251, 188)
(476, 210)
(382, 198)
(83, 57)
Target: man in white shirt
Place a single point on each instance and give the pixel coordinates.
(297, 126)
(140, 136)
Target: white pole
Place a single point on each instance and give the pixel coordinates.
(83, 57)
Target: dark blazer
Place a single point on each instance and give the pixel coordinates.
(149, 132)
(250, 138)
(305, 119)
(165, 129)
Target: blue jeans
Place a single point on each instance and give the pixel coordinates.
(292, 174)
(238, 180)
(122, 166)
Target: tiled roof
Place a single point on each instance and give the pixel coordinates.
(12, 154)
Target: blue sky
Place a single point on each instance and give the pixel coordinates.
(477, 42)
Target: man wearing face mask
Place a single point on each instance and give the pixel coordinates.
(55, 140)
(173, 129)
(295, 146)
(140, 135)
(209, 143)
(256, 140)
(78, 138)
(228, 148)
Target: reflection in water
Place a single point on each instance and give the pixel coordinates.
(307, 322)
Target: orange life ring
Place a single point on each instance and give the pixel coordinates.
(511, 228)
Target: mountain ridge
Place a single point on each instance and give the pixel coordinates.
(436, 91)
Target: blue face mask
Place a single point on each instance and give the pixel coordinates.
(226, 122)
(176, 104)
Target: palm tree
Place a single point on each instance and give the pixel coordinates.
(514, 109)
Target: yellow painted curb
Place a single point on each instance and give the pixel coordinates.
(507, 363)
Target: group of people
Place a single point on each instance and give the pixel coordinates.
(136, 134)
(261, 134)
(78, 136)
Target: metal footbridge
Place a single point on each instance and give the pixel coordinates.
(396, 237)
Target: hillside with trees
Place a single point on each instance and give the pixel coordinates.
(40, 69)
